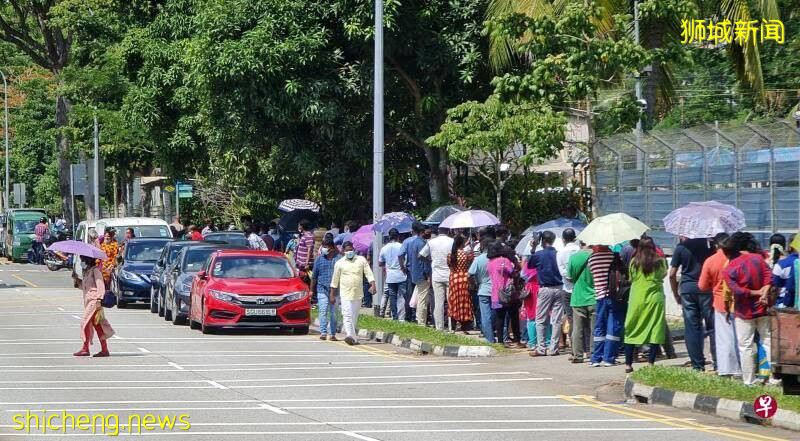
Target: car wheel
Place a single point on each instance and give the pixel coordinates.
(167, 314)
(203, 327)
(153, 301)
(193, 324)
(176, 316)
(120, 303)
(161, 309)
(301, 331)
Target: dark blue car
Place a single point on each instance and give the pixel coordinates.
(130, 280)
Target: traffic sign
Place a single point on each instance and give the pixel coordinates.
(169, 188)
(19, 195)
(185, 190)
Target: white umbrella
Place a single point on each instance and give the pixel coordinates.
(612, 229)
(469, 219)
(700, 220)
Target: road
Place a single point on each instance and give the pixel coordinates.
(272, 385)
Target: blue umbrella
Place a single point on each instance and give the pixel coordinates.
(399, 220)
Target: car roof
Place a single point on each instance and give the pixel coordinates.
(249, 252)
(226, 232)
(131, 221)
(149, 239)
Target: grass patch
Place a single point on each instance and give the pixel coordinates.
(412, 330)
(687, 380)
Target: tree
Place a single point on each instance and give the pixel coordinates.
(498, 140)
(28, 25)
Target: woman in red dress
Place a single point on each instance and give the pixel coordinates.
(459, 299)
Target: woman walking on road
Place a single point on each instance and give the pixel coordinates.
(94, 320)
(459, 300)
(645, 322)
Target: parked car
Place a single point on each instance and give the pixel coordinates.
(130, 280)
(142, 227)
(249, 289)
(161, 269)
(178, 284)
(231, 237)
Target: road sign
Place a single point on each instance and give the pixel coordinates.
(185, 190)
(79, 182)
(90, 174)
(19, 194)
(169, 188)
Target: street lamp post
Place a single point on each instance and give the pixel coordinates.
(377, 152)
(5, 132)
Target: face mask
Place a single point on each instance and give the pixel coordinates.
(324, 251)
(83, 266)
(350, 254)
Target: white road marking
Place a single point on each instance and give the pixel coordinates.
(75, 316)
(277, 410)
(357, 436)
(144, 350)
(481, 374)
(344, 432)
(116, 368)
(215, 384)
(293, 400)
(60, 308)
(176, 366)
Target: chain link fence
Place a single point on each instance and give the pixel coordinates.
(753, 166)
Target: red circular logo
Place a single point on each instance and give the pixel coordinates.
(765, 406)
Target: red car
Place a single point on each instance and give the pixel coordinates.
(249, 289)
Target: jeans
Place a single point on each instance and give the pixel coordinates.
(608, 330)
(394, 291)
(487, 318)
(439, 298)
(697, 310)
(532, 335)
(582, 325)
(327, 310)
(408, 313)
(37, 248)
(745, 335)
(367, 301)
(512, 312)
(549, 304)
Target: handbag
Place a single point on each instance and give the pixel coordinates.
(109, 299)
(507, 294)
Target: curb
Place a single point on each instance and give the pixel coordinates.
(722, 407)
(424, 347)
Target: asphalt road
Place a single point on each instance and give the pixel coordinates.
(272, 385)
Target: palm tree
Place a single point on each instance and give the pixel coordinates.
(656, 33)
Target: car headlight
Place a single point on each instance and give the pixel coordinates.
(223, 296)
(127, 275)
(299, 295)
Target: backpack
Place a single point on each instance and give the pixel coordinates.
(619, 286)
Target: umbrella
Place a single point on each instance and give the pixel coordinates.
(555, 224)
(399, 220)
(612, 229)
(700, 220)
(290, 205)
(362, 239)
(438, 215)
(469, 219)
(523, 246)
(78, 248)
(289, 221)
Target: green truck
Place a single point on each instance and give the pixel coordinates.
(18, 232)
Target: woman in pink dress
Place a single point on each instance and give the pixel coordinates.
(94, 288)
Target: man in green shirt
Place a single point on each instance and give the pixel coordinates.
(582, 303)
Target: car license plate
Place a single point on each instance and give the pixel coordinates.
(260, 311)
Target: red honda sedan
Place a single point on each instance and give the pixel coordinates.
(249, 289)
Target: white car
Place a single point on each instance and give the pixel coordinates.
(142, 227)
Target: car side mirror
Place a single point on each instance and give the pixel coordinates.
(201, 275)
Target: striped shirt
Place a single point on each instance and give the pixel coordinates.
(305, 246)
(40, 231)
(599, 264)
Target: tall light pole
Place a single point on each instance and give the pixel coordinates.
(377, 152)
(96, 182)
(5, 132)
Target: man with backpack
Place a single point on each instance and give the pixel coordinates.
(608, 273)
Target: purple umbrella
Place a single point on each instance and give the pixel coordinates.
(362, 239)
(469, 219)
(397, 219)
(78, 248)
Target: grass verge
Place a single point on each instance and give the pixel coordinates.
(687, 380)
(412, 330)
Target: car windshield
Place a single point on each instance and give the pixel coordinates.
(231, 238)
(143, 231)
(143, 251)
(195, 259)
(252, 267)
(25, 226)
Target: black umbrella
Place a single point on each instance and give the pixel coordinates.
(438, 215)
(288, 221)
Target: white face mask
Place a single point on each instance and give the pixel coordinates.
(350, 254)
(324, 251)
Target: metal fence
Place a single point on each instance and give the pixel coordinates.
(755, 167)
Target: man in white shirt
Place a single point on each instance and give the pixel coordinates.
(437, 250)
(395, 277)
(571, 247)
